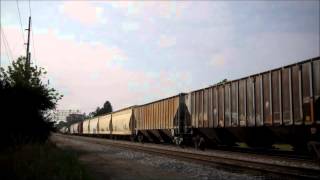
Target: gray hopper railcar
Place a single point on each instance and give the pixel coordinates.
(164, 120)
(280, 105)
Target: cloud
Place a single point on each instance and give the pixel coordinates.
(89, 73)
(217, 60)
(122, 63)
(166, 41)
(130, 26)
(166, 10)
(82, 11)
(16, 45)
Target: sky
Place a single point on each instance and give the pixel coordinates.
(135, 52)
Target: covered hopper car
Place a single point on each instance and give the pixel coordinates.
(280, 105)
(118, 124)
(162, 120)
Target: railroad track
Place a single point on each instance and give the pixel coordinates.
(272, 152)
(292, 168)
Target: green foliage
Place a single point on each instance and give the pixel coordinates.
(25, 101)
(222, 82)
(62, 124)
(19, 75)
(105, 109)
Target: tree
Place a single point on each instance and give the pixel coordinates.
(24, 104)
(222, 82)
(105, 109)
(98, 111)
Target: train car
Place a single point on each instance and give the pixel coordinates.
(85, 127)
(70, 130)
(162, 120)
(279, 105)
(104, 125)
(74, 128)
(93, 126)
(122, 123)
(80, 127)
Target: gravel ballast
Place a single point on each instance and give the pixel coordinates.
(109, 162)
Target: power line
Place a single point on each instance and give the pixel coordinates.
(10, 56)
(20, 21)
(6, 44)
(34, 50)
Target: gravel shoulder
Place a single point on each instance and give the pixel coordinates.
(108, 162)
(104, 162)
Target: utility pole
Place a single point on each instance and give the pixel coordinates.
(28, 43)
(28, 55)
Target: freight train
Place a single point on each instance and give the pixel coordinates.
(280, 105)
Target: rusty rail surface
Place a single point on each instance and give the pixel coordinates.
(251, 164)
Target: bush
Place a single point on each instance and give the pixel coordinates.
(24, 104)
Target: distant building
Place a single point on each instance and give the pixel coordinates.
(75, 118)
(61, 115)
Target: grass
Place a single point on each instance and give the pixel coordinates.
(242, 145)
(283, 147)
(280, 147)
(36, 161)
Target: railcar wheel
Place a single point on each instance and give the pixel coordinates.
(140, 138)
(132, 138)
(195, 140)
(202, 144)
(178, 141)
(199, 142)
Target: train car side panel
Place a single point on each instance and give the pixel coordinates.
(234, 104)
(221, 105)
(258, 98)
(80, 127)
(286, 96)
(242, 103)
(307, 103)
(85, 127)
(296, 94)
(267, 109)
(93, 124)
(316, 89)
(227, 106)
(104, 124)
(250, 102)
(276, 97)
(121, 122)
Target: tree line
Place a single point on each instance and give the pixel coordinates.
(105, 109)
